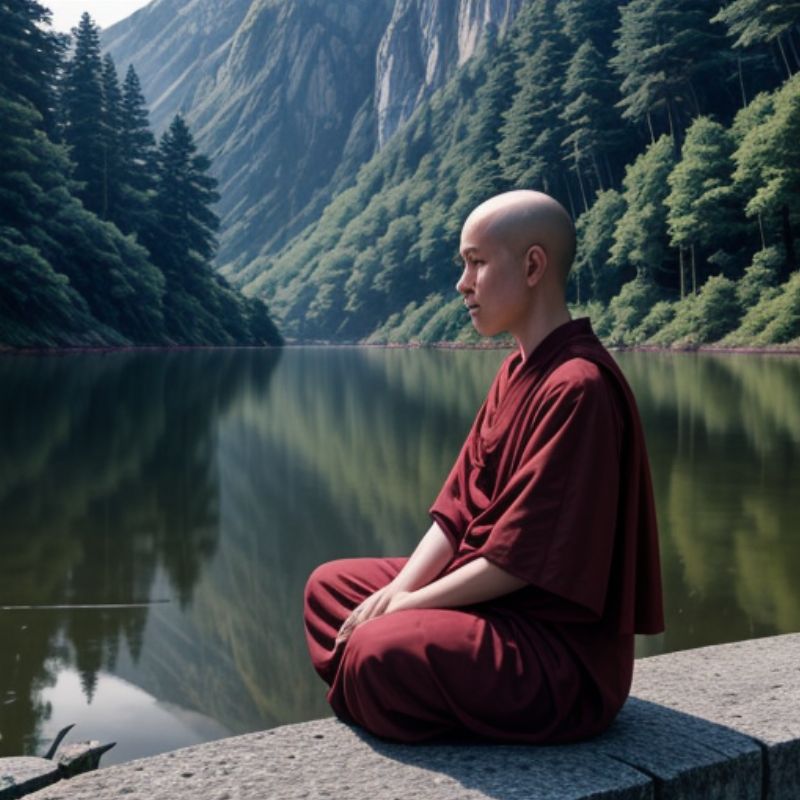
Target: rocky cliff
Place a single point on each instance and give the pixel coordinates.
(290, 97)
(424, 43)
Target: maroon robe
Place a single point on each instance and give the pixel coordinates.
(553, 486)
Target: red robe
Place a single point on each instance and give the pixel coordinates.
(553, 486)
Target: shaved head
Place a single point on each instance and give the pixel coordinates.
(523, 218)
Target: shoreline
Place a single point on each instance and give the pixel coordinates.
(776, 349)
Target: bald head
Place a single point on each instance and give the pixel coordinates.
(524, 217)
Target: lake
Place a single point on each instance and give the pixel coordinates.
(160, 512)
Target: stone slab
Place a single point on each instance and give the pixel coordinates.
(719, 722)
(688, 758)
(751, 687)
(327, 759)
(25, 774)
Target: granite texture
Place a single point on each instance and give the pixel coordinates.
(23, 775)
(752, 687)
(719, 722)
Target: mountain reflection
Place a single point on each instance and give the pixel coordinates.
(218, 480)
(107, 478)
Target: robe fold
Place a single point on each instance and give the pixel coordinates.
(552, 485)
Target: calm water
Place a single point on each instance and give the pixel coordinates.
(199, 489)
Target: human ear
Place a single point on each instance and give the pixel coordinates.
(536, 262)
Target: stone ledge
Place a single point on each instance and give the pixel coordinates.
(713, 723)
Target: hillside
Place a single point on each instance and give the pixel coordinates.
(289, 99)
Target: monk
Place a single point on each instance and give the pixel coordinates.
(514, 618)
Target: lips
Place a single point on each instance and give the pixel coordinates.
(471, 306)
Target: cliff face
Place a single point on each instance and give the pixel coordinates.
(424, 43)
(290, 97)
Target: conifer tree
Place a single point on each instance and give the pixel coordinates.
(111, 130)
(82, 100)
(601, 277)
(593, 21)
(532, 130)
(137, 159)
(768, 160)
(593, 125)
(754, 22)
(664, 50)
(30, 57)
(703, 209)
(640, 238)
(183, 240)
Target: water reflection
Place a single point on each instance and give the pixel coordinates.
(108, 477)
(218, 480)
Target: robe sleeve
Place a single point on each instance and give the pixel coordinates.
(554, 523)
(452, 509)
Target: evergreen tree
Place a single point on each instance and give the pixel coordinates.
(768, 162)
(640, 238)
(532, 130)
(30, 57)
(599, 277)
(593, 125)
(82, 101)
(111, 131)
(592, 21)
(665, 49)
(754, 22)
(183, 241)
(38, 307)
(703, 209)
(137, 159)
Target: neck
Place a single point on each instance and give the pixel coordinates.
(543, 319)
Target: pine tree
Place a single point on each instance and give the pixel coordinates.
(768, 165)
(592, 21)
(595, 233)
(593, 125)
(183, 241)
(640, 238)
(137, 159)
(703, 207)
(82, 101)
(665, 49)
(30, 58)
(111, 132)
(532, 130)
(754, 22)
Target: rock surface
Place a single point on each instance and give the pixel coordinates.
(289, 97)
(716, 723)
(424, 43)
(25, 774)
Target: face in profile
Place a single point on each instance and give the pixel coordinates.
(492, 281)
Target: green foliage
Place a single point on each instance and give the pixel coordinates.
(752, 22)
(665, 47)
(595, 233)
(759, 276)
(718, 308)
(775, 319)
(82, 101)
(629, 308)
(768, 163)
(640, 238)
(703, 207)
(69, 278)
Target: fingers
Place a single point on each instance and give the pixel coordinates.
(372, 607)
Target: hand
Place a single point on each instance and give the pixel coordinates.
(384, 601)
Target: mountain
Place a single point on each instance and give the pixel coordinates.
(288, 98)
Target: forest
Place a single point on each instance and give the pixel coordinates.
(670, 130)
(107, 237)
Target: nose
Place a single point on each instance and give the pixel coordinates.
(464, 283)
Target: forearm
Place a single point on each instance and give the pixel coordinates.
(475, 582)
(430, 557)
